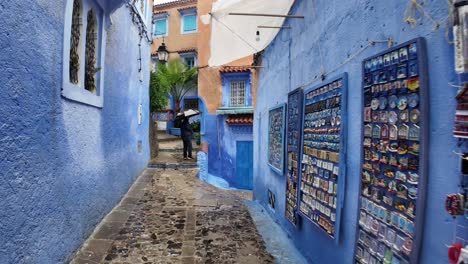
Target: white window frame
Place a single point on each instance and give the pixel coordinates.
(77, 92)
(183, 14)
(184, 55)
(161, 17)
(143, 15)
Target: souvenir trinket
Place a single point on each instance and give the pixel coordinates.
(413, 84)
(392, 101)
(403, 131)
(402, 102)
(414, 116)
(413, 178)
(393, 135)
(375, 117)
(404, 116)
(400, 176)
(402, 191)
(384, 132)
(367, 114)
(407, 246)
(392, 117)
(403, 54)
(412, 193)
(413, 134)
(413, 100)
(375, 104)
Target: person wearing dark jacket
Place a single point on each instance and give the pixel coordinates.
(187, 133)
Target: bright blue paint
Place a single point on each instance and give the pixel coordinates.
(279, 170)
(227, 78)
(222, 156)
(340, 30)
(63, 165)
(244, 164)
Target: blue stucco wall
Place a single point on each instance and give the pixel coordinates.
(222, 151)
(339, 29)
(63, 165)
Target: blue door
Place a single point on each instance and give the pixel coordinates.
(244, 166)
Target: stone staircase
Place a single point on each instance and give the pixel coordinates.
(171, 154)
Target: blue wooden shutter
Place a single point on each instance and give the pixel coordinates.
(190, 23)
(160, 27)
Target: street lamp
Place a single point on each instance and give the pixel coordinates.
(163, 54)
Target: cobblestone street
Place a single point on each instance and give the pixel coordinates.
(172, 217)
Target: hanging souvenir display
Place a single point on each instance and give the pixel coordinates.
(393, 165)
(323, 153)
(294, 127)
(276, 138)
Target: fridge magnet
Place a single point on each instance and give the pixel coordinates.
(402, 222)
(413, 164)
(392, 75)
(385, 132)
(413, 68)
(392, 101)
(381, 251)
(368, 130)
(376, 131)
(403, 131)
(402, 71)
(400, 176)
(413, 51)
(380, 62)
(382, 103)
(409, 227)
(359, 252)
(372, 260)
(402, 191)
(387, 60)
(402, 102)
(413, 193)
(413, 149)
(382, 230)
(413, 100)
(404, 116)
(395, 59)
(413, 84)
(413, 178)
(407, 246)
(393, 134)
(414, 135)
(388, 256)
(375, 116)
(375, 104)
(383, 116)
(367, 114)
(392, 117)
(390, 237)
(403, 54)
(414, 116)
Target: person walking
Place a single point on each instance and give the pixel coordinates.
(187, 133)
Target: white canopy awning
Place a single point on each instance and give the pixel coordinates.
(234, 37)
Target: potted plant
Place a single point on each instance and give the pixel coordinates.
(196, 132)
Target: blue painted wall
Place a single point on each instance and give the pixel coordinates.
(337, 30)
(222, 147)
(63, 165)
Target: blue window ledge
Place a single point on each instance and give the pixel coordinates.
(235, 110)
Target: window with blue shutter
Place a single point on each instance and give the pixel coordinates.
(160, 27)
(189, 23)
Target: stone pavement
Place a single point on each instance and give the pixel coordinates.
(171, 154)
(169, 216)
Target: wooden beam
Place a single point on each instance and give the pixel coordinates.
(265, 15)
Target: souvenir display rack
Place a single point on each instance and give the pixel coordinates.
(392, 189)
(293, 152)
(324, 155)
(276, 123)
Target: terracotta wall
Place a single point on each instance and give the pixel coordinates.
(175, 41)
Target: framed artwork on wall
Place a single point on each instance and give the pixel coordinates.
(393, 164)
(293, 152)
(323, 158)
(276, 127)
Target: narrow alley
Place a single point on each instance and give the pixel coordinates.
(170, 216)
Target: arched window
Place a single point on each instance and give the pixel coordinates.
(75, 38)
(91, 51)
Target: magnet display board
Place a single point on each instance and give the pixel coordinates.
(392, 189)
(293, 152)
(324, 155)
(276, 123)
